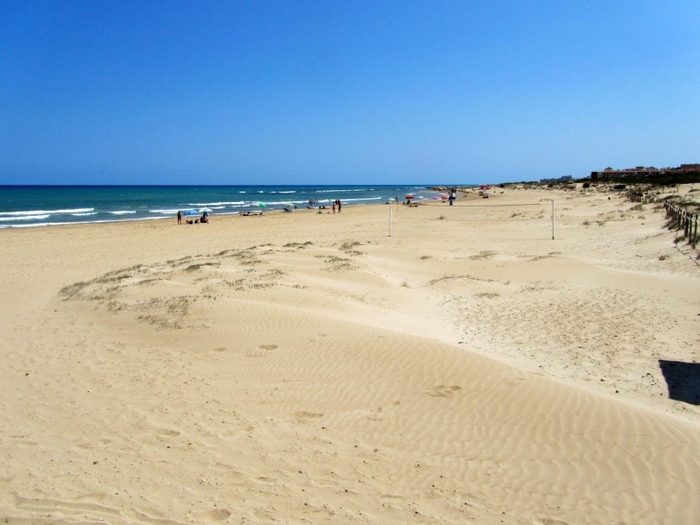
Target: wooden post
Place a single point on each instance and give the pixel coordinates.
(553, 208)
(391, 215)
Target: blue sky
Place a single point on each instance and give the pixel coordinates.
(344, 92)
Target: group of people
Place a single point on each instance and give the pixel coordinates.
(204, 219)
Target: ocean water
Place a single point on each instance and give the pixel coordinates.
(31, 206)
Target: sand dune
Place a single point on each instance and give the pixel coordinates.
(310, 368)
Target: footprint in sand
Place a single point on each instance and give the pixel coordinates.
(546, 521)
(26, 443)
(215, 515)
(444, 391)
(261, 351)
(167, 433)
(305, 417)
(91, 445)
(265, 479)
(378, 414)
(315, 339)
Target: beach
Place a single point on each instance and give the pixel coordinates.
(387, 364)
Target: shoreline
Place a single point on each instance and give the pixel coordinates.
(465, 192)
(28, 205)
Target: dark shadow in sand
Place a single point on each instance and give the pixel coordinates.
(683, 380)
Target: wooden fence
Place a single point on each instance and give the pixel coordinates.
(680, 219)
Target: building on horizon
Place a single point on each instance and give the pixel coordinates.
(643, 171)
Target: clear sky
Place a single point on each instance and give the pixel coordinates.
(344, 91)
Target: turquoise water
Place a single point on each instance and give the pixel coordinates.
(27, 206)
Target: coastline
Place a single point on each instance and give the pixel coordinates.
(385, 364)
(37, 206)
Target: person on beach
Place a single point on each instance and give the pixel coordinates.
(333, 206)
(339, 205)
(179, 217)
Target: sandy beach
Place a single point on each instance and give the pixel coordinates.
(385, 365)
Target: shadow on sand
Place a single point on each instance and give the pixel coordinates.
(683, 380)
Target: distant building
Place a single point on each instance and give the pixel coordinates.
(642, 171)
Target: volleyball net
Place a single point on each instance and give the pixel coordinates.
(542, 212)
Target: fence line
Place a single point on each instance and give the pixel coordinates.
(681, 219)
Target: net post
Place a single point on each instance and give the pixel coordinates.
(391, 215)
(553, 208)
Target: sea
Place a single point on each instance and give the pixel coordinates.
(34, 206)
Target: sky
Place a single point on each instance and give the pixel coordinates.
(344, 91)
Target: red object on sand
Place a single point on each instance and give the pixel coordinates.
(409, 196)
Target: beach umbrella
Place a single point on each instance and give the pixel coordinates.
(313, 202)
(409, 196)
(261, 205)
(288, 206)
